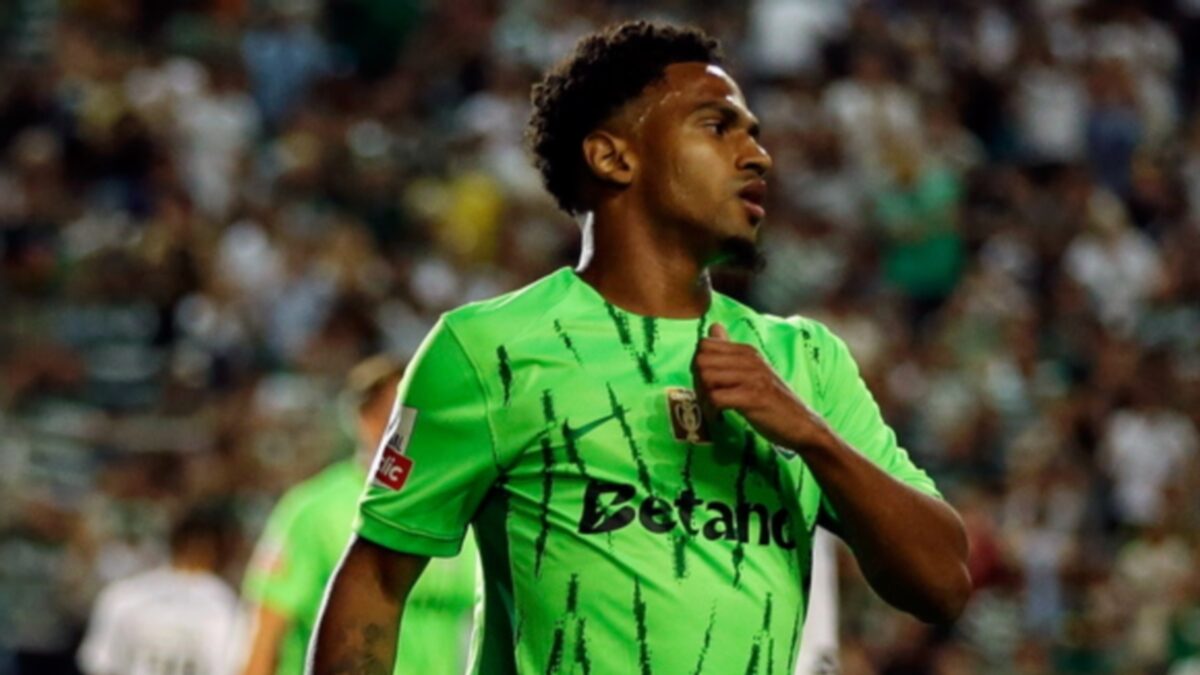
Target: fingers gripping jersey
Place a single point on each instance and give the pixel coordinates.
(619, 532)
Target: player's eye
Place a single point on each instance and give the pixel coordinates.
(718, 127)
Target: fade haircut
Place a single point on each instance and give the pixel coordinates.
(607, 70)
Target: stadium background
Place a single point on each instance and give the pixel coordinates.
(209, 209)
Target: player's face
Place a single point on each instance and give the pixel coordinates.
(700, 160)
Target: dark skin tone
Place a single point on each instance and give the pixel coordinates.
(669, 172)
(675, 184)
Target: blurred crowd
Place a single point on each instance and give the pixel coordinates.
(210, 209)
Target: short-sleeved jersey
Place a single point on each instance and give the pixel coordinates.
(303, 543)
(618, 531)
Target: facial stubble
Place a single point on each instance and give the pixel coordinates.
(739, 254)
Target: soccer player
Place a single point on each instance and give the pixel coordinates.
(306, 535)
(178, 618)
(643, 460)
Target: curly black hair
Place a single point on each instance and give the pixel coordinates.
(607, 69)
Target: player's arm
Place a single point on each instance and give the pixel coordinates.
(360, 622)
(434, 466)
(98, 652)
(911, 545)
(266, 633)
(280, 578)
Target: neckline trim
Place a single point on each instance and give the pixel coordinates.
(584, 288)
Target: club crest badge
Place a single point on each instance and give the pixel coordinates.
(687, 421)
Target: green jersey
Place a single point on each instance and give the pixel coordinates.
(618, 532)
(301, 546)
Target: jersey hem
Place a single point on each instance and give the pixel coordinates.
(406, 539)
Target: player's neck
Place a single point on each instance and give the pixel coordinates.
(191, 566)
(642, 273)
(193, 561)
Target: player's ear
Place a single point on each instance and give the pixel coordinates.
(609, 157)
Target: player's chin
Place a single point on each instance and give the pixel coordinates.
(744, 219)
(752, 213)
(744, 225)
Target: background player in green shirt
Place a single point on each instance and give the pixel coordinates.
(643, 460)
(306, 535)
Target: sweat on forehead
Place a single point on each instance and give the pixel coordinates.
(688, 84)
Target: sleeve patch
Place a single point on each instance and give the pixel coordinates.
(392, 465)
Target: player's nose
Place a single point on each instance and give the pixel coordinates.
(755, 158)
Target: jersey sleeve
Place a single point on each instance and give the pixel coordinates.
(848, 406)
(436, 460)
(284, 569)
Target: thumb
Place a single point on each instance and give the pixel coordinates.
(718, 332)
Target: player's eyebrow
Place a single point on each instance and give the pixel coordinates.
(730, 114)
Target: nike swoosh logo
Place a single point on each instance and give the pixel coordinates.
(579, 432)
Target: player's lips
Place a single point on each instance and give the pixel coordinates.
(753, 196)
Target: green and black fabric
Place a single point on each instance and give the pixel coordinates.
(618, 532)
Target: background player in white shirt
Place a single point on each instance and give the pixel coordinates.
(178, 619)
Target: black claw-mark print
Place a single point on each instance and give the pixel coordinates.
(795, 636)
(581, 653)
(712, 620)
(539, 545)
(567, 341)
(814, 356)
(681, 537)
(571, 447)
(762, 639)
(547, 447)
(506, 374)
(639, 615)
(619, 412)
(679, 554)
(558, 644)
(548, 408)
(649, 332)
(554, 662)
(644, 367)
(621, 322)
(739, 549)
(762, 344)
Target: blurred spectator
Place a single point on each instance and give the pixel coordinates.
(181, 618)
(1147, 448)
(1051, 101)
(918, 213)
(283, 55)
(1118, 265)
(873, 112)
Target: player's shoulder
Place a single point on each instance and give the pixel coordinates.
(217, 591)
(498, 319)
(136, 588)
(794, 328)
